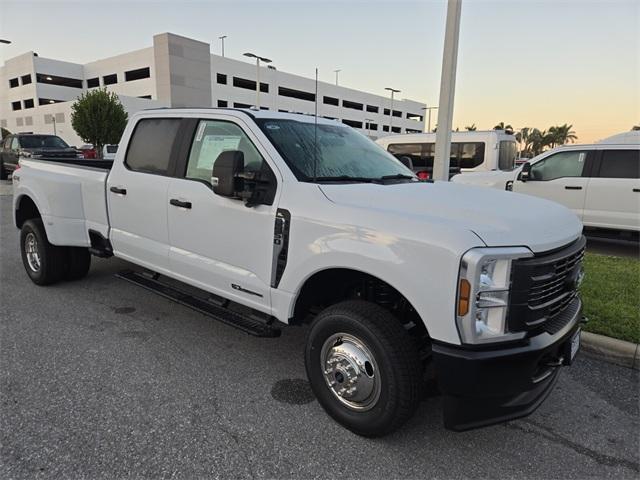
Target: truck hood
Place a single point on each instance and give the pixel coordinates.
(499, 218)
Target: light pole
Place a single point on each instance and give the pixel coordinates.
(337, 72)
(393, 91)
(222, 40)
(53, 117)
(258, 59)
(368, 123)
(447, 91)
(429, 115)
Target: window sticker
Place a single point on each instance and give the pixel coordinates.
(203, 125)
(213, 146)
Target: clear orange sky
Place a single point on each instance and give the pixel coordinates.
(524, 62)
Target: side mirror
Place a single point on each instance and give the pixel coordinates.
(406, 161)
(525, 173)
(226, 174)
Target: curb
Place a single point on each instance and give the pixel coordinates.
(612, 350)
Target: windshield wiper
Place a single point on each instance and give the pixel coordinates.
(346, 178)
(398, 176)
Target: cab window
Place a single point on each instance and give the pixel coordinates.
(211, 139)
(562, 164)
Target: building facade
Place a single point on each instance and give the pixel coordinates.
(36, 93)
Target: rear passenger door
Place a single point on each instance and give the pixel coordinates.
(613, 194)
(559, 178)
(137, 194)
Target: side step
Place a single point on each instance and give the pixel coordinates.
(255, 323)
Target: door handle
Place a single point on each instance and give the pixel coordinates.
(118, 190)
(177, 203)
(637, 190)
(571, 187)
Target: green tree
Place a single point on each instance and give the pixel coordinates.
(99, 118)
(538, 141)
(471, 128)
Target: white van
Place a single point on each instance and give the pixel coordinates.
(478, 151)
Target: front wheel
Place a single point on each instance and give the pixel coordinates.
(3, 172)
(363, 367)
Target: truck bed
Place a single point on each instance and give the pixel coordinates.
(71, 196)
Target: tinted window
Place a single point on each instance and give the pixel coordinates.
(42, 141)
(467, 155)
(507, 155)
(562, 164)
(620, 164)
(110, 79)
(214, 137)
(150, 146)
(421, 154)
(137, 74)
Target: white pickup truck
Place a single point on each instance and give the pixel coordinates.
(262, 219)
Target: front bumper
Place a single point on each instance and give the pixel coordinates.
(487, 386)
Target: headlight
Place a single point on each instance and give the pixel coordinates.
(483, 294)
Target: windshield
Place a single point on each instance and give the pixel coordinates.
(342, 154)
(507, 155)
(42, 141)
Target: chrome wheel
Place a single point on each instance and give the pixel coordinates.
(350, 371)
(32, 252)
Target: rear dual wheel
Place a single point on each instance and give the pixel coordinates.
(46, 263)
(363, 367)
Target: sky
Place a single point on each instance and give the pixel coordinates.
(528, 63)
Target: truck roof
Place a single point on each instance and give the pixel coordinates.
(251, 112)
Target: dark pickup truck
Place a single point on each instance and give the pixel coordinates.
(32, 145)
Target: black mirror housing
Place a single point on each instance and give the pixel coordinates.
(525, 173)
(225, 176)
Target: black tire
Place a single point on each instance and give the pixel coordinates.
(78, 263)
(394, 353)
(52, 259)
(3, 172)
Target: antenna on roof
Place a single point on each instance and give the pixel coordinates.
(315, 131)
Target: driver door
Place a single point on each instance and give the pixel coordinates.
(218, 243)
(559, 178)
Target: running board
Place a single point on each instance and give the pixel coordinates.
(257, 324)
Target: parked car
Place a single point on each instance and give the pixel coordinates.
(600, 183)
(108, 151)
(476, 151)
(262, 219)
(29, 144)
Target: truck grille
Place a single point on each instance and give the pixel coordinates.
(545, 286)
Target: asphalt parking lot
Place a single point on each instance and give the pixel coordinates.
(102, 379)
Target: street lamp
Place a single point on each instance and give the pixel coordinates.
(392, 90)
(222, 40)
(429, 110)
(337, 72)
(258, 60)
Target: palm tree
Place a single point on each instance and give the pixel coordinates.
(471, 128)
(563, 134)
(538, 141)
(522, 137)
(502, 126)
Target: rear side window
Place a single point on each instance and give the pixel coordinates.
(421, 154)
(620, 164)
(150, 145)
(467, 155)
